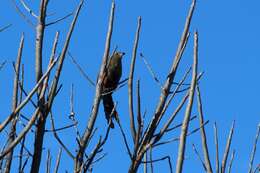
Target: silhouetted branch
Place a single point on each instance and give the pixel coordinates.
(4, 28)
(198, 155)
(60, 19)
(81, 70)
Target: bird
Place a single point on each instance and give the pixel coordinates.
(112, 75)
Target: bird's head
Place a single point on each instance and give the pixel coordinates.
(119, 54)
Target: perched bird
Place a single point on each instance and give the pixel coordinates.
(112, 76)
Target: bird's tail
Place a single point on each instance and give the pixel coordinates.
(109, 109)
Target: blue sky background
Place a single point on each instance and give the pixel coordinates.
(228, 54)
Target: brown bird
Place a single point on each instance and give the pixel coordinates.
(113, 74)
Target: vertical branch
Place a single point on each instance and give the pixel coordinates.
(185, 124)
(58, 161)
(254, 150)
(40, 126)
(203, 133)
(48, 162)
(130, 81)
(145, 162)
(170, 78)
(39, 38)
(151, 159)
(139, 117)
(14, 104)
(94, 112)
(231, 161)
(216, 144)
(225, 156)
(23, 140)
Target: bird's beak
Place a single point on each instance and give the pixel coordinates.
(122, 54)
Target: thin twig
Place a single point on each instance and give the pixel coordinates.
(216, 145)
(4, 28)
(161, 159)
(62, 128)
(58, 139)
(58, 161)
(139, 117)
(81, 70)
(203, 134)
(48, 162)
(254, 150)
(231, 161)
(28, 9)
(149, 67)
(151, 159)
(58, 20)
(225, 156)
(198, 155)
(178, 138)
(125, 140)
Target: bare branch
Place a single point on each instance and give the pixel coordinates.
(58, 161)
(14, 103)
(81, 70)
(25, 101)
(231, 161)
(28, 9)
(149, 67)
(21, 134)
(225, 156)
(2, 65)
(4, 28)
(22, 15)
(161, 159)
(203, 134)
(178, 138)
(125, 140)
(130, 81)
(48, 162)
(198, 155)
(216, 145)
(58, 20)
(168, 83)
(54, 85)
(92, 119)
(185, 125)
(139, 117)
(57, 137)
(254, 150)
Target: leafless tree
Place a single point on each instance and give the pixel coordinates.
(146, 133)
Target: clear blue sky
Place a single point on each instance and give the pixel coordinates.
(228, 54)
